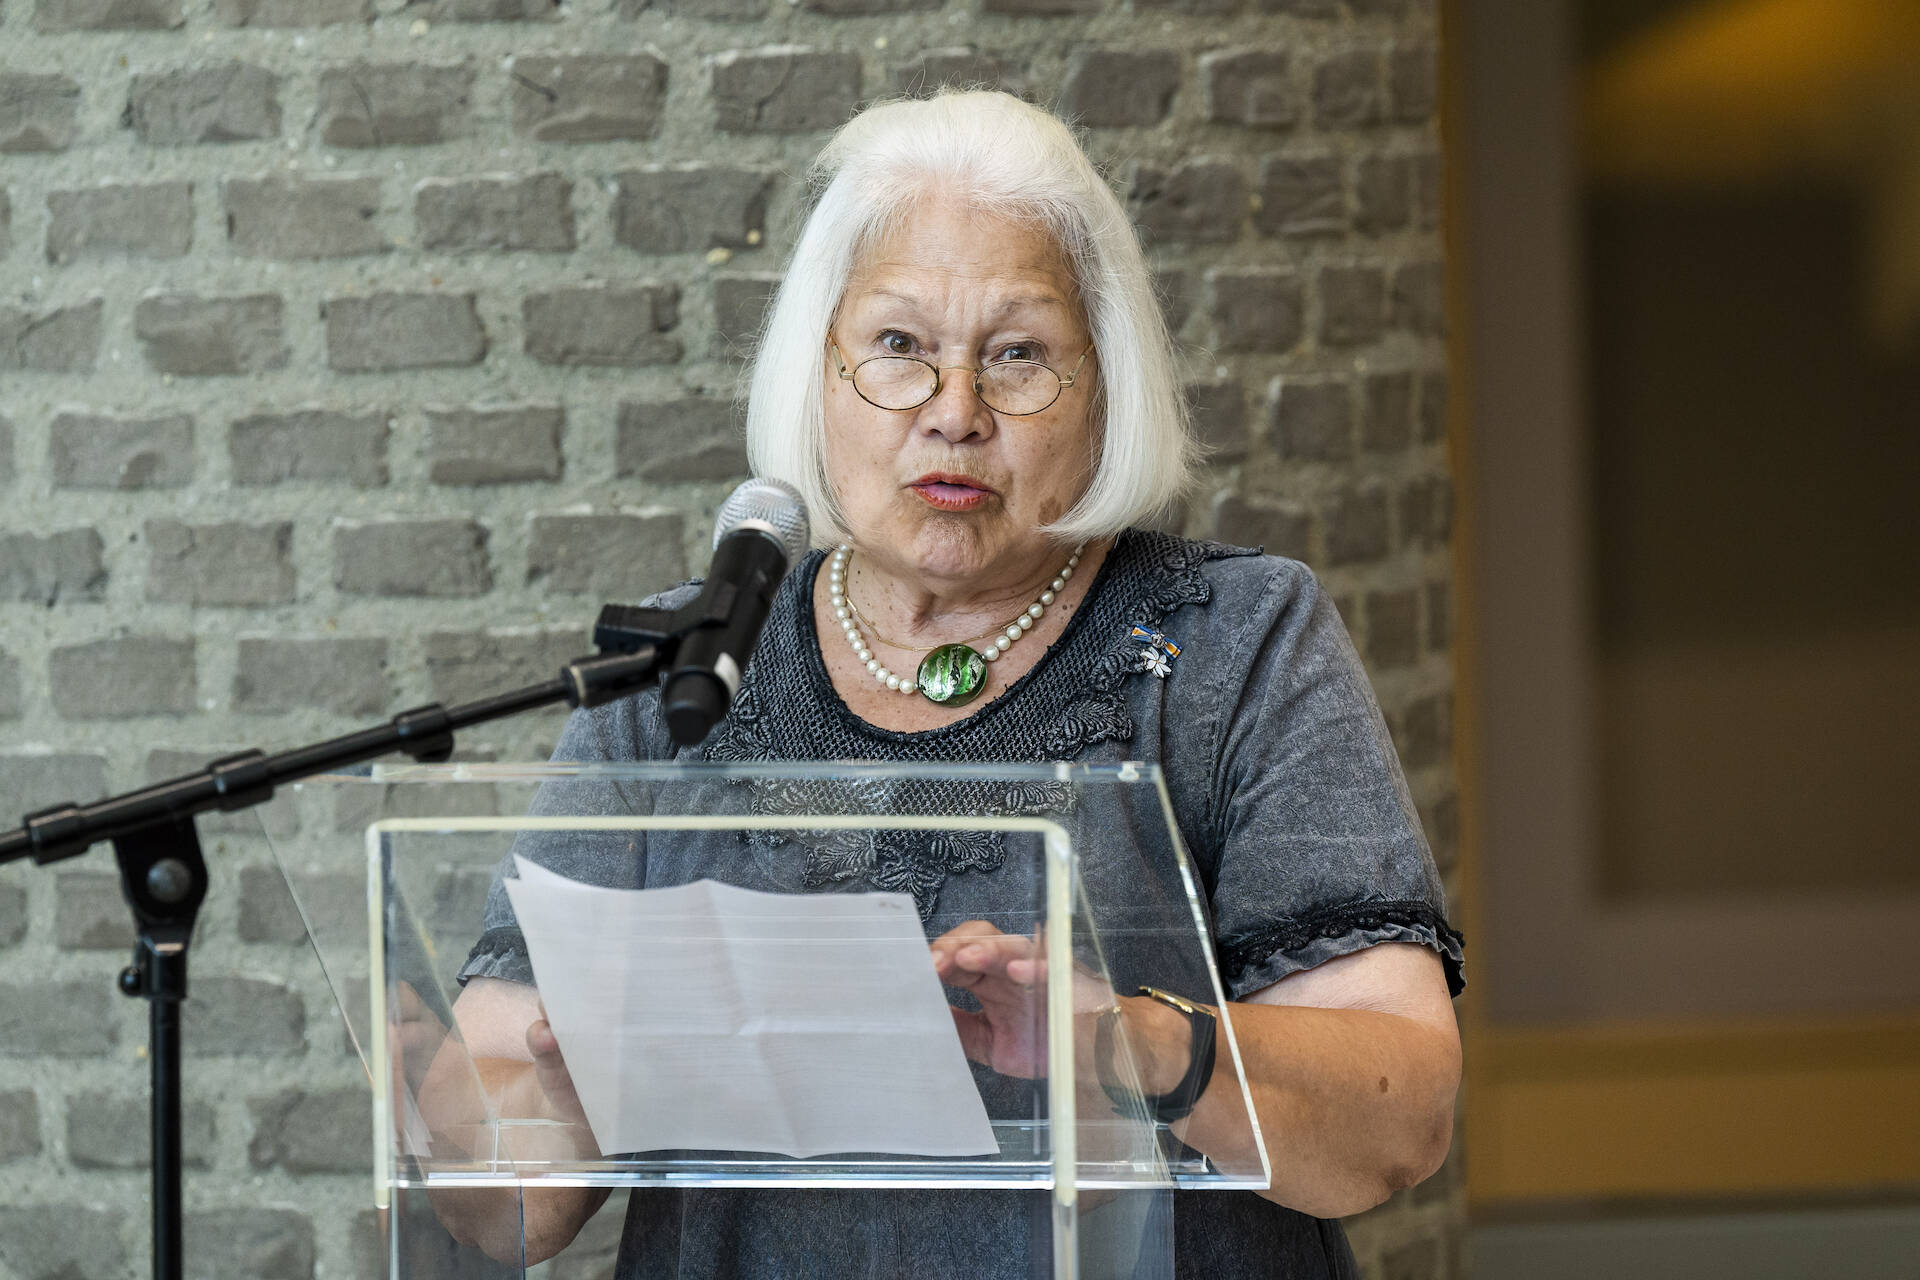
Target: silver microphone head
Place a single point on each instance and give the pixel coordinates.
(772, 506)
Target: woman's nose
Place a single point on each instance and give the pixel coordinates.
(955, 411)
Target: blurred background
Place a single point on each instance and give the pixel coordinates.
(1686, 251)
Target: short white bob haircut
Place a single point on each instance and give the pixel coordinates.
(1011, 160)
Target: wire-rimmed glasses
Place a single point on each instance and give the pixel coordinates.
(1017, 388)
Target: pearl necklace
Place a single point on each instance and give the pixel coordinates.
(951, 674)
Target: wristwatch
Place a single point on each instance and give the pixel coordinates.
(1177, 1102)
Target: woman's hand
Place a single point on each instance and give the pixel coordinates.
(1007, 974)
(553, 1096)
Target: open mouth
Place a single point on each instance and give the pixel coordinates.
(951, 493)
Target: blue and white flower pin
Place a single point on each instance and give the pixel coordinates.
(1158, 653)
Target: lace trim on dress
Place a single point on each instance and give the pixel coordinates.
(1070, 700)
(1247, 951)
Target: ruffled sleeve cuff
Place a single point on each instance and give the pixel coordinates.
(500, 953)
(1251, 961)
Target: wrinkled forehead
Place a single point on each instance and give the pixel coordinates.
(939, 247)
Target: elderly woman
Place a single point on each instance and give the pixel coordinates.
(966, 374)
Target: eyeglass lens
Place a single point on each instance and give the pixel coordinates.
(1011, 386)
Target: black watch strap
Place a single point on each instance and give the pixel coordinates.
(1179, 1101)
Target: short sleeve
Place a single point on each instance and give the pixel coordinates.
(1318, 851)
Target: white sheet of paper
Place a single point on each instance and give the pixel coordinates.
(711, 1017)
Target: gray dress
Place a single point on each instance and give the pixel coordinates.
(1287, 794)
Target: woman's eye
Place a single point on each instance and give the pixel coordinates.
(896, 343)
(1018, 351)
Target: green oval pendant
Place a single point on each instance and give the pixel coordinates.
(952, 674)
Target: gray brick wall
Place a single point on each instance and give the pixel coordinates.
(352, 351)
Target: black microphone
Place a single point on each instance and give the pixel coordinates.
(760, 533)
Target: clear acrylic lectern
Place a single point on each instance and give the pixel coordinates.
(655, 908)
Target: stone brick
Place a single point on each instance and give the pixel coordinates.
(64, 565)
(243, 1017)
(19, 1125)
(1347, 89)
(463, 665)
(1412, 78)
(534, 212)
(954, 68)
(484, 10)
(388, 331)
(411, 558)
(29, 783)
(12, 706)
(225, 102)
(87, 451)
(843, 7)
(1041, 8)
(139, 221)
(108, 1131)
(1423, 732)
(1386, 424)
(739, 311)
(1300, 196)
(588, 98)
(70, 1019)
(598, 325)
(1357, 527)
(133, 676)
(209, 336)
(1250, 87)
(624, 556)
(251, 1244)
(1393, 629)
(1383, 194)
(1433, 407)
(393, 105)
(278, 818)
(106, 15)
(293, 219)
(315, 445)
(60, 340)
(1353, 306)
(1312, 420)
(1279, 530)
(1200, 202)
(38, 113)
(269, 913)
(784, 89)
(735, 10)
(696, 438)
(1219, 412)
(1439, 617)
(64, 1241)
(232, 563)
(1114, 87)
(6, 223)
(691, 208)
(291, 13)
(1200, 8)
(1429, 191)
(494, 446)
(313, 1131)
(1440, 820)
(1426, 512)
(89, 914)
(1174, 288)
(1420, 299)
(1256, 310)
(13, 903)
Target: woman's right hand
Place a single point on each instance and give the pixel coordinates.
(556, 1098)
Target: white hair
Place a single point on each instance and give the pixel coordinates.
(1009, 159)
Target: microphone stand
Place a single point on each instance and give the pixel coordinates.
(164, 876)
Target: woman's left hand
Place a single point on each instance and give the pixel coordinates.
(1007, 974)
